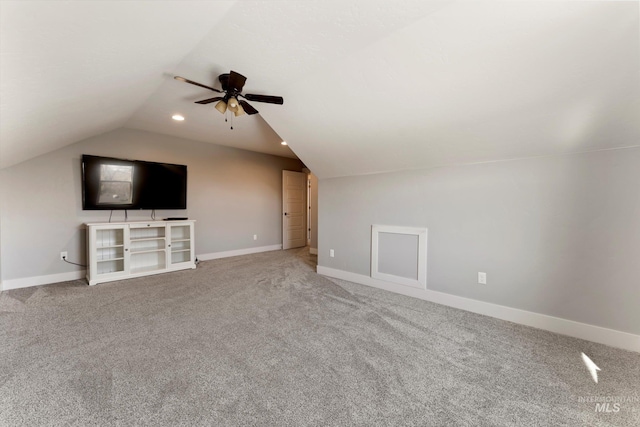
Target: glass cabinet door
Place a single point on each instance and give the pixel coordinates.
(180, 244)
(109, 246)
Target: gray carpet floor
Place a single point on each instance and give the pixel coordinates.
(262, 340)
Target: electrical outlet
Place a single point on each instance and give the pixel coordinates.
(255, 237)
(331, 253)
(63, 255)
(482, 278)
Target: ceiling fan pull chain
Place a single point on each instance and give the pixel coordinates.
(231, 122)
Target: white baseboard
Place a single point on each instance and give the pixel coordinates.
(27, 282)
(313, 251)
(558, 325)
(237, 252)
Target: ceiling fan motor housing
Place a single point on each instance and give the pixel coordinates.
(224, 81)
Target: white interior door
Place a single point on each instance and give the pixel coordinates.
(294, 224)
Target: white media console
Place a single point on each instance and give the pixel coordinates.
(122, 250)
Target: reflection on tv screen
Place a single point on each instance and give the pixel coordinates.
(116, 185)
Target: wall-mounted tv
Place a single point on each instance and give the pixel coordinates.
(109, 184)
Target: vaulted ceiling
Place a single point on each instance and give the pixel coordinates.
(369, 85)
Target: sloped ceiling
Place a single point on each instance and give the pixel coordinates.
(70, 70)
(369, 86)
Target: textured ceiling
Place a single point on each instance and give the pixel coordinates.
(369, 86)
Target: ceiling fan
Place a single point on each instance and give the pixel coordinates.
(232, 84)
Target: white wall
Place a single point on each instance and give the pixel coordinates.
(558, 236)
(232, 194)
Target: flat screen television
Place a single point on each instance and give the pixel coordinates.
(109, 184)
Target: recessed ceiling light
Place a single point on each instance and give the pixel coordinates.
(283, 143)
(177, 117)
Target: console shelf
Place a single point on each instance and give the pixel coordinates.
(122, 250)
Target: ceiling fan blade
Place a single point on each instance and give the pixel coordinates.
(265, 98)
(210, 100)
(247, 107)
(236, 81)
(182, 79)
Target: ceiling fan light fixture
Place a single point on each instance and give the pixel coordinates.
(232, 104)
(239, 111)
(222, 107)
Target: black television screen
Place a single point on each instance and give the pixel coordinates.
(109, 183)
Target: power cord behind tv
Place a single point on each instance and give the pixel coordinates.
(126, 215)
